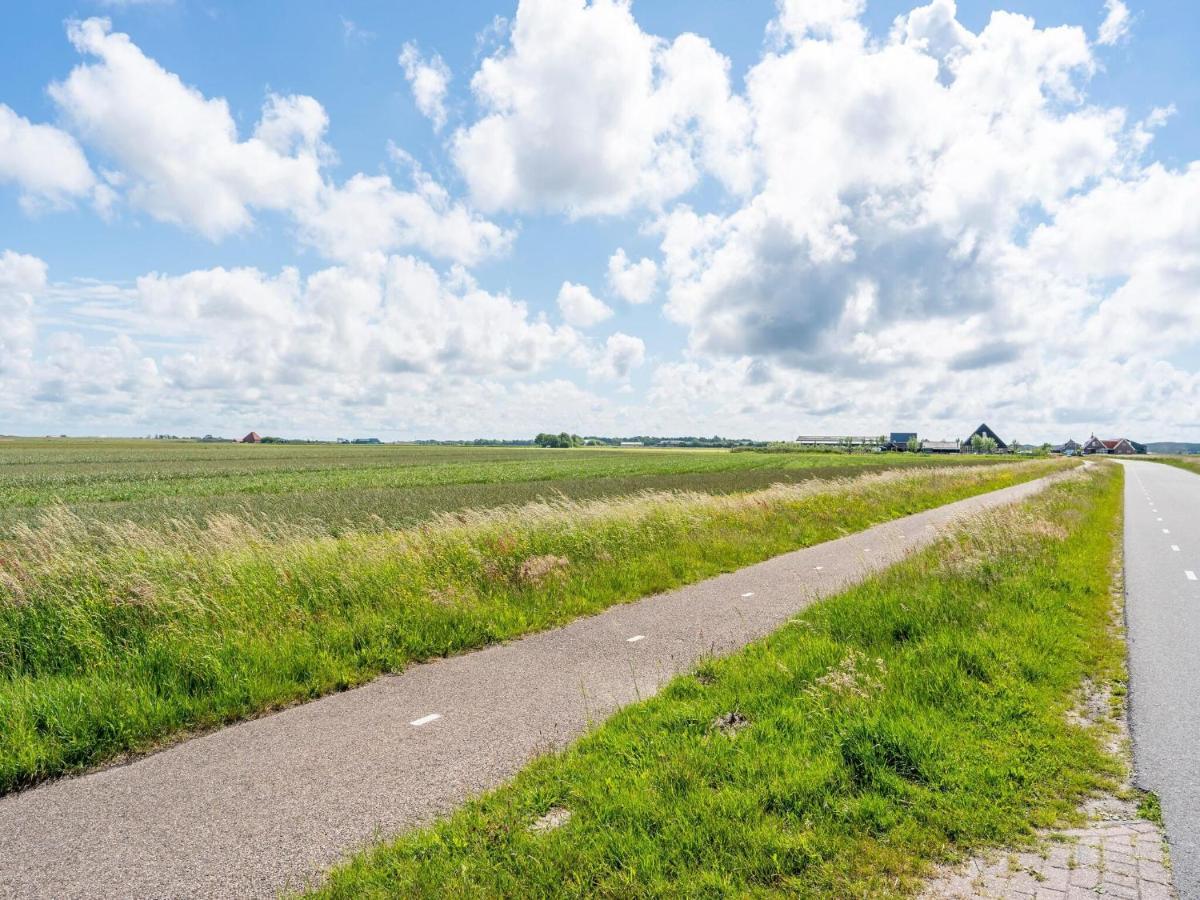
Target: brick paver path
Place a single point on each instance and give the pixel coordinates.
(1122, 856)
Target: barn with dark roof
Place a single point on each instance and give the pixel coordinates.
(984, 431)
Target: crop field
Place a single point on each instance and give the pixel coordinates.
(339, 487)
(239, 592)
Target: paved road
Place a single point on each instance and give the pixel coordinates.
(265, 805)
(1162, 588)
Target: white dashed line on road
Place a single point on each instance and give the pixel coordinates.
(425, 720)
(817, 568)
(748, 594)
(635, 639)
(1191, 576)
(1166, 531)
(1175, 547)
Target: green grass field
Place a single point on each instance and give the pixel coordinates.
(919, 716)
(115, 637)
(339, 487)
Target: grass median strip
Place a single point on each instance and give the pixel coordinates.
(113, 638)
(919, 716)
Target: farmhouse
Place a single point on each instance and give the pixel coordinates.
(941, 447)
(251, 438)
(985, 432)
(1070, 448)
(1112, 446)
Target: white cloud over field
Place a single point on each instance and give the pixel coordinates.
(920, 228)
(368, 337)
(182, 161)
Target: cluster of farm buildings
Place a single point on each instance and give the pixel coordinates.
(981, 438)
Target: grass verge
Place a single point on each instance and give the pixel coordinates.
(1188, 465)
(115, 638)
(912, 719)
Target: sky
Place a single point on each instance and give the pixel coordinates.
(680, 217)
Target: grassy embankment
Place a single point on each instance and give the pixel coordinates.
(113, 638)
(341, 488)
(916, 717)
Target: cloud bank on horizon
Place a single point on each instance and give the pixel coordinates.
(920, 227)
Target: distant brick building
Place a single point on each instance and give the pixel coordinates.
(252, 438)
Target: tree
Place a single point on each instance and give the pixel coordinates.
(982, 444)
(560, 440)
(913, 445)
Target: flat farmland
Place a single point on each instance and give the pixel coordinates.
(150, 589)
(334, 488)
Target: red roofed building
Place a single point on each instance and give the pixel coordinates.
(252, 438)
(1111, 446)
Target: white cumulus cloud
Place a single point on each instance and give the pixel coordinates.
(429, 79)
(622, 353)
(179, 149)
(182, 161)
(21, 277)
(586, 113)
(1116, 24)
(896, 175)
(581, 308)
(46, 163)
(632, 281)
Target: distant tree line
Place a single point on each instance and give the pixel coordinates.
(685, 441)
(477, 442)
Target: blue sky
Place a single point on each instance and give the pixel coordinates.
(848, 218)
